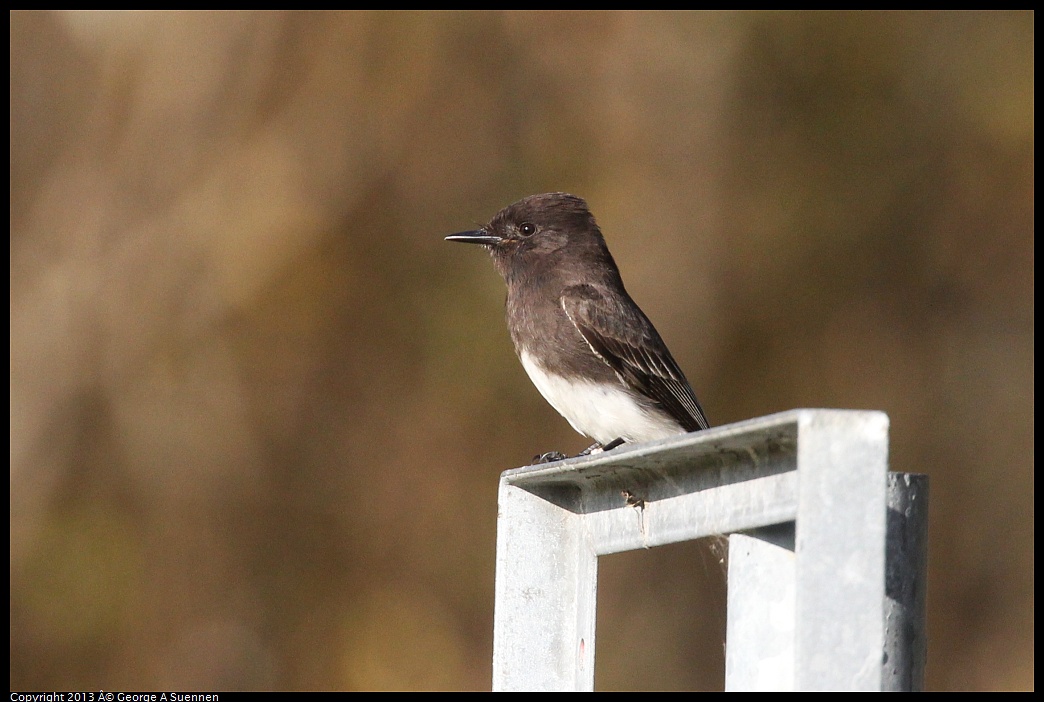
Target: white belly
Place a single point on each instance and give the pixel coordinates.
(602, 412)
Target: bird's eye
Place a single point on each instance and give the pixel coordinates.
(527, 229)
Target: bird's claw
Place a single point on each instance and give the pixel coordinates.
(552, 456)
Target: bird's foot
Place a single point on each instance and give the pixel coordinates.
(552, 456)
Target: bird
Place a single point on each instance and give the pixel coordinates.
(585, 344)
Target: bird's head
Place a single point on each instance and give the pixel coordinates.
(538, 227)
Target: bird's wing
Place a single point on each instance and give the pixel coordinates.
(622, 336)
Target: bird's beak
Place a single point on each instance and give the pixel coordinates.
(475, 237)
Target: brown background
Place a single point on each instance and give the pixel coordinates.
(259, 407)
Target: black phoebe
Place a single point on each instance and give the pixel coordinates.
(588, 348)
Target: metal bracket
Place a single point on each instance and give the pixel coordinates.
(823, 472)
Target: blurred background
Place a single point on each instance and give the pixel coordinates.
(259, 408)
